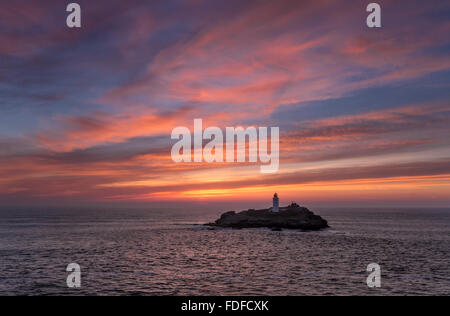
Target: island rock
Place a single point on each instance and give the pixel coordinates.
(290, 217)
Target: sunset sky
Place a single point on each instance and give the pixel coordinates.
(86, 114)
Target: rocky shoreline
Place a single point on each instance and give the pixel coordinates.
(290, 217)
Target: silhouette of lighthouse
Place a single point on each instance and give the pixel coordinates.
(276, 203)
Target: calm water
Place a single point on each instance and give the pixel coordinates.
(136, 252)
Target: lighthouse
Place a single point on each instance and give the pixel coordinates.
(276, 204)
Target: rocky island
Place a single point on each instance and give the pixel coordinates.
(290, 217)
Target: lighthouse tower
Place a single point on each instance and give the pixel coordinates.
(276, 204)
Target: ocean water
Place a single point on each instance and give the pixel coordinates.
(167, 252)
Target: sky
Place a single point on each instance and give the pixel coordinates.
(86, 114)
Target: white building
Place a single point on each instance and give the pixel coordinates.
(276, 203)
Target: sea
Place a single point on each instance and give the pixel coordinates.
(169, 252)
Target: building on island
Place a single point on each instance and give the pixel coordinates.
(276, 203)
